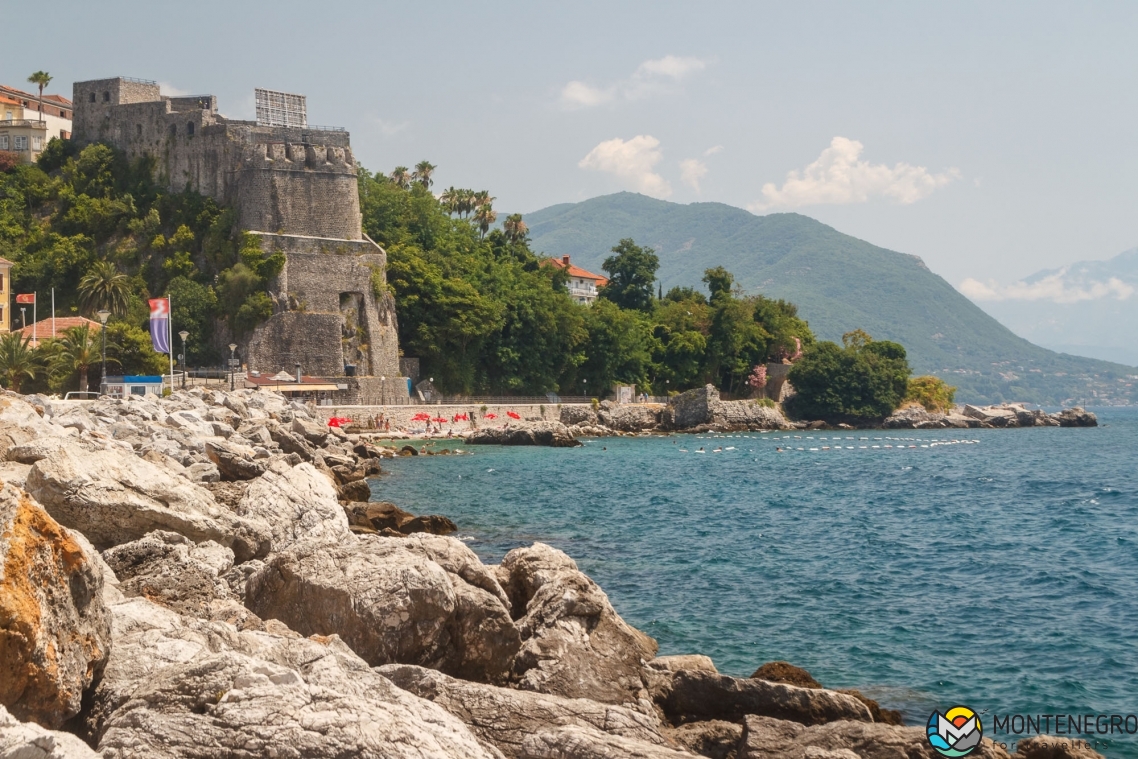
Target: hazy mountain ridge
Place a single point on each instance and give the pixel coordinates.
(1082, 308)
(840, 283)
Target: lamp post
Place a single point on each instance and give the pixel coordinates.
(184, 334)
(23, 317)
(103, 315)
(232, 378)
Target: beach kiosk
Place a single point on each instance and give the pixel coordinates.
(132, 384)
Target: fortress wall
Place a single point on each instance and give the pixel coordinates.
(318, 273)
(293, 188)
(291, 337)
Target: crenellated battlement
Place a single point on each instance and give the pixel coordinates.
(286, 156)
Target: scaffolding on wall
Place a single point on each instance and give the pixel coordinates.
(280, 108)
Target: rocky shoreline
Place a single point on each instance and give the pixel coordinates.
(702, 410)
(203, 576)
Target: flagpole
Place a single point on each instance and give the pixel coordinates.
(53, 312)
(170, 338)
(35, 339)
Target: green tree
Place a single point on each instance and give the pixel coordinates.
(80, 349)
(104, 287)
(17, 360)
(514, 228)
(40, 79)
(933, 393)
(423, 172)
(401, 176)
(620, 347)
(632, 272)
(130, 350)
(860, 381)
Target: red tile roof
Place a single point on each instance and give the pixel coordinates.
(42, 329)
(577, 271)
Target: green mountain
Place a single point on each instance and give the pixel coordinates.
(840, 283)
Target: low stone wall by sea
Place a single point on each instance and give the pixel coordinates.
(400, 416)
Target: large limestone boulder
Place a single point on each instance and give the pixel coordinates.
(19, 740)
(574, 642)
(298, 503)
(20, 423)
(233, 461)
(55, 632)
(178, 687)
(629, 417)
(505, 716)
(170, 570)
(714, 739)
(1075, 417)
(392, 601)
(551, 434)
(578, 742)
(114, 498)
(769, 738)
(697, 695)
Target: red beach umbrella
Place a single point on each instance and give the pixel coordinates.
(440, 419)
(490, 416)
(339, 421)
(513, 415)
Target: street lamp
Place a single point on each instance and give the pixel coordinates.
(23, 317)
(184, 334)
(232, 378)
(103, 315)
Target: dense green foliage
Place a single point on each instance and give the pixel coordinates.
(931, 392)
(486, 314)
(97, 229)
(838, 282)
(862, 379)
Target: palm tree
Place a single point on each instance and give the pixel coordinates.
(515, 229)
(483, 198)
(423, 171)
(401, 176)
(104, 286)
(485, 216)
(43, 79)
(17, 361)
(449, 199)
(80, 350)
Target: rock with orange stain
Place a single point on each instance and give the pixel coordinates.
(55, 632)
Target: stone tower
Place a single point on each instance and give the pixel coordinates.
(295, 188)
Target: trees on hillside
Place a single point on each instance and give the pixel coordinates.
(17, 360)
(104, 287)
(632, 274)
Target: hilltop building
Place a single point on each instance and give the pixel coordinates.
(23, 130)
(583, 285)
(294, 186)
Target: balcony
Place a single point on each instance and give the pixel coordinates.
(23, 123)
(583, 292)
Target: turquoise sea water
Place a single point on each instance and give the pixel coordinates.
(1000, 573)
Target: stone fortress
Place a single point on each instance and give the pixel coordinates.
(292, 185)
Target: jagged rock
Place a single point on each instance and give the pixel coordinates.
(433, 524)
(40, 448)
(178, 687)
(1075, 417)
(574, 642)
(168, 569)
(392, 603)
(20, 423)
(629, 417)
(112, 499)
(684, 661)
(316, 434)
(203, 472)
(784, 672)
(551, 434)
(232, 462)
(578, 742)
(703, 408)
(714, 739)
(579, 415)
(695, 696)
(769, 738)
(913, 417)
(299, 503)
(14, 474)
(381, 515)
(228, 494)
(359, 490)
(20, 740)
(290, 443)
(55, 632)
(504, 716)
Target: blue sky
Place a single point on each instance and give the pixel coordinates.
(991, 139)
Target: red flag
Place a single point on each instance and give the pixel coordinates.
(26, 298)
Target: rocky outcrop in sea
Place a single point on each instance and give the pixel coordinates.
(199, 576)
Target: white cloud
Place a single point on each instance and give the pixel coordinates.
(712, 151)
(677, 67)
(839, 176)
(391, 128)
(1053, 287)
(650, 78)
(633, 161)
(170, 90)
(692, 170)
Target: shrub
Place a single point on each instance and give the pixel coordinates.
(933, 393)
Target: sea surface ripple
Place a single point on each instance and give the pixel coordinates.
(993, 568)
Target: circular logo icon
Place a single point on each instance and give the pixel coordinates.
(957, 732)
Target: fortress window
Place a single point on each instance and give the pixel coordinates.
(138, 129)
(173, 130)
(92, 97)
(106, 97)
(190, 129)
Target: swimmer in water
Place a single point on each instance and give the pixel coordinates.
(778, 450)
